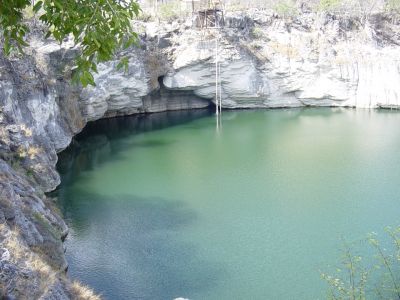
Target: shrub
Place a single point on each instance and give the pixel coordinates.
(257, 32)
(82, 292)
(286, 8)
(169, 11)
(393, 5)
(356, 280)
(144, 17)
(329, 5)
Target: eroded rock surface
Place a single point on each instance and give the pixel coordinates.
(310, 61)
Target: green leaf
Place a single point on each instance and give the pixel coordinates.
(37, 6)
(58, 4)
(7, 46)
(100, 27)
(123, 63)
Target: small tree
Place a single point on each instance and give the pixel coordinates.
(354, 280)
(393, 6)
(100, 28)
(286, 8)
(329, 5)
(367, 8)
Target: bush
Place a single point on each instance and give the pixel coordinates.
(144, 17)
(169, 11)
(286, 8)
(257, 32)
(356, 280)
(393, 5)
(329, 5)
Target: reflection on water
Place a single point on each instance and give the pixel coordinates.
(163, 206)
(104, 139)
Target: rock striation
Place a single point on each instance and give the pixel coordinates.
(266, 62)
(309, 61)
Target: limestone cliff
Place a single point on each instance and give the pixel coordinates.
(312, 60)
(266, 61)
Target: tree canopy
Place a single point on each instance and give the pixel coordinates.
(100, 27)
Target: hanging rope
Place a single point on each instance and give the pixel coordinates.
(216, 76)
(220, 88)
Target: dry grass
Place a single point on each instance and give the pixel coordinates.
(4, 135)
(33, 152)
(30, 152)
(341, 61)
(26, 130)
(38, 168)
(47, 276)
(285, 50)
(81, 292)
(42, 276)
(13, 245)
(38, 265)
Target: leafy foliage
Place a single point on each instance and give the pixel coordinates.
(329, 5)
(393, 5)
(99, 27)
(350, 282)
(357, 280)
(169, 11)
(286, 8)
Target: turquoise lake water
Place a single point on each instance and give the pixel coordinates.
(165, 206)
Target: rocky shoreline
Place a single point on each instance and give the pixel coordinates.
(266, 62)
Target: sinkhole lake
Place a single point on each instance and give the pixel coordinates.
(165, 205)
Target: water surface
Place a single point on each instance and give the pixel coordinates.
(165, 206)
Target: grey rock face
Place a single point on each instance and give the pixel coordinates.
(138, 91)
(39, 114)
(31, 240)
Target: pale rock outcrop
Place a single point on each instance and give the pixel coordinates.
(311, 61)
(135, 91)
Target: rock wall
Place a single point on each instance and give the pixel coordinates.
(39, 115)
(265, 61)
(310, 61)
(138, 90)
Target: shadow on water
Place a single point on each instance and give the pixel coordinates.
(122, 126)
(151, 144)
(125, 246)
(103, 140)
(148, 261)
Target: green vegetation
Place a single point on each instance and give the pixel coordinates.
(286, 8)
(393, 5)
(169, 11)
(356, 280)
(99, 27)
(329, 5)
(42, 221)
(257, 32)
